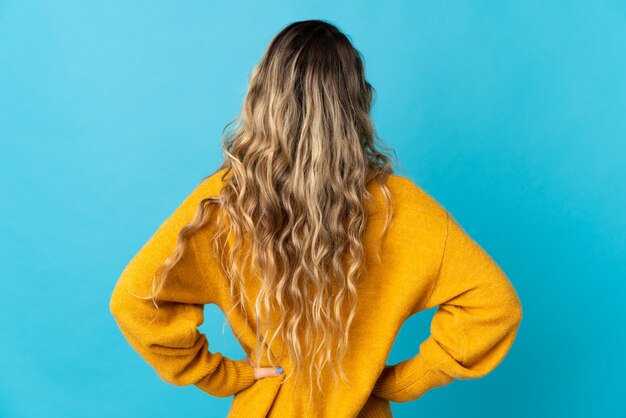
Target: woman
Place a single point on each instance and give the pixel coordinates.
(317, 253)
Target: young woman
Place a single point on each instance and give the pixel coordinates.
(317, 253)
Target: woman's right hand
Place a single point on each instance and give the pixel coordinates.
(262, 372)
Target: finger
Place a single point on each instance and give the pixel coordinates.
(262, 372)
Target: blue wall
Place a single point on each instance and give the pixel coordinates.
(510, 114)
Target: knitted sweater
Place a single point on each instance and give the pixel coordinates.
(426, 260)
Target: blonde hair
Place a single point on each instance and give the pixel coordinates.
(297, 163)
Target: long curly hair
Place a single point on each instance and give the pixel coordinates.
(297, 161)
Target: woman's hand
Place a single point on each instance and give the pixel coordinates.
(261, 372)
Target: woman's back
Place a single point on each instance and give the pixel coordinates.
(426, 260)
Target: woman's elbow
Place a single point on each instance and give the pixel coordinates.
(516, 311)
(119, 301)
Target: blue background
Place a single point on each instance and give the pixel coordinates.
(510, 114)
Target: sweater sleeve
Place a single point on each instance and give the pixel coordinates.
(478, 316)
(167, 338)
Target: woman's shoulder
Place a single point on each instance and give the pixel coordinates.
(411, 194)
(212, 183)
(417, 212)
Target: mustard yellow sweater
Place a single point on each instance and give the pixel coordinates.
(427, 260)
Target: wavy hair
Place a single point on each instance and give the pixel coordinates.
(297, 159)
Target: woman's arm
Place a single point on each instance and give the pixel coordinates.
(171, 342)
(472, 330)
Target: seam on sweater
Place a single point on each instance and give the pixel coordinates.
(443, 253)
(192, 332)
(461, 327)
(192, 329)
(203, 272)
(194, 250)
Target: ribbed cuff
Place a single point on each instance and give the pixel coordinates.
(412, 378)
(246, 374)
(230, 377)
(387, 382)
(376, 407)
